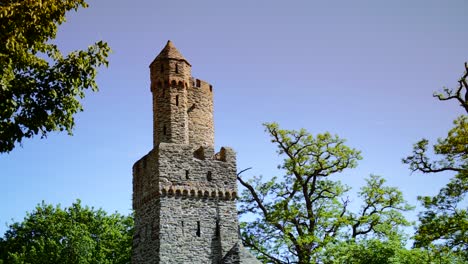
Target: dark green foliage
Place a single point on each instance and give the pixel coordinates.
(75, 235)
(444, 223)
(39, 87)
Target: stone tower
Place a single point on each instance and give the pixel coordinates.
(183, 193)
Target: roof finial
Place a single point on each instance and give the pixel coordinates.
(170, 52)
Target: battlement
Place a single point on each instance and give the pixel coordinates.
(200, 169)
(225, 154)
(198, 174)
(201, 84)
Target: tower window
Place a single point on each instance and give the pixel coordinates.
(217, 231)
(211, 88)
(198, 229)
(162, 68)
(164, 130)
(187, 175)
(177, 68)
(198, 83)
(163, 92)
(209, 176)
(177, 100)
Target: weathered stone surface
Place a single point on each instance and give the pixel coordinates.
(239, 255)
(184, 194)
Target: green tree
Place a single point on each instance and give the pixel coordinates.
(444, 223)
(39, 87)
(75, 234)
(295, 218)
(391, 251)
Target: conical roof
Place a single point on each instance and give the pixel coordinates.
(170, 52)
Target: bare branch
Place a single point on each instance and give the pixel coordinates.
(456, 94)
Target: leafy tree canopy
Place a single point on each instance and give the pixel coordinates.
(444, 223)
(40, 88)
(391, 251)
(298, 217)
(75, 235)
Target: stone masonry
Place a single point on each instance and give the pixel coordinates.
(184, 194)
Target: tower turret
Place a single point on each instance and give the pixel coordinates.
(170, 79)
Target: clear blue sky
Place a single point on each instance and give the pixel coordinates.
(365, 70)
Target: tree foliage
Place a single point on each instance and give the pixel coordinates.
(295, 218)
(75, 235)
(444, 223)
(40, 88)
(391, 251)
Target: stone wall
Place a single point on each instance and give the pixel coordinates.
(185, 202)
(169, 88)
(196, 230)
(200, 112)
(239, 255)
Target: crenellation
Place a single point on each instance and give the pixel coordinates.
(201, 85)
(174, 174)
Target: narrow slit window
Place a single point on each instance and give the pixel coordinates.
(187, 175)
(177, 100)
(162, 68)
(182, 224)
(198, 229)
(177, 68)
(209, 176)
(198, 83)
(217, 232)
(164, 130)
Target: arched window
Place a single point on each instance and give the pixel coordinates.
(177, 68)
